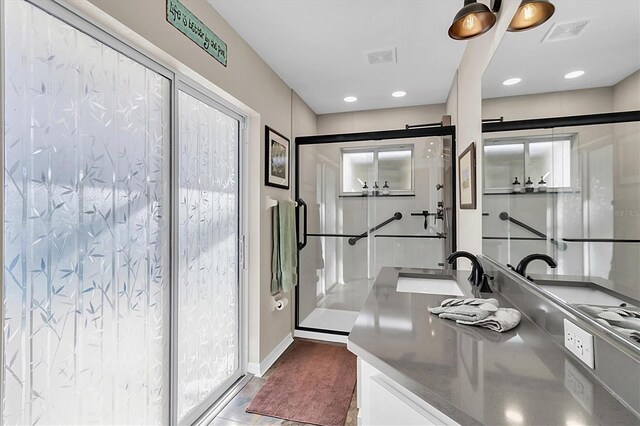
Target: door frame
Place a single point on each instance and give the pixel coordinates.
(89, 25)
(449, 131)
(191, 88)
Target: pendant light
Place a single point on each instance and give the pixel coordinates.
(531, 14)
(472, 20)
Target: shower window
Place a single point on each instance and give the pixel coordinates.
(392, 165)
(547, 157)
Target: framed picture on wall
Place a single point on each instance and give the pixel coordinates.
(467, 177)
(277, 167)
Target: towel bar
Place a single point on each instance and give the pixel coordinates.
(272, 202)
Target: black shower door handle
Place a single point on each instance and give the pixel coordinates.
(302, 204)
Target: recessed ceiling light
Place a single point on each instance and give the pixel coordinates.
(399, 94)
(350, 99)
(512, 81)
(574, 74)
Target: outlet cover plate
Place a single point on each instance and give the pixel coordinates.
(579, 343)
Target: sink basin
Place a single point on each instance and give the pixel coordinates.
(428, 285)
(582, 293)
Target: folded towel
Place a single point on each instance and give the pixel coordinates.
(484, 303)
(284, 260)
(628, 333)
(624, 321)
(465, 309)
(464, 313)
(597, 310)
(504, 319)
(479, 312)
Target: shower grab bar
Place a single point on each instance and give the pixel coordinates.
(505, 216)
(354, 240)
(333, 235)
(515, 238)
(436, 237)
(302, 204)
(599, 240)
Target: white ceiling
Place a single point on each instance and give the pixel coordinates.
(608, 50)
(318, 48)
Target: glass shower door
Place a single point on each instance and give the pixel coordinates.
(423, 237)
(369, 205)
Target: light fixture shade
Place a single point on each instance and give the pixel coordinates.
(472, 20)
(531, 14)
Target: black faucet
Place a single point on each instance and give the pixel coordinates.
(477, 278)
(522, 266)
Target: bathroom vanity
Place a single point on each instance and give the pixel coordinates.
(415, 368)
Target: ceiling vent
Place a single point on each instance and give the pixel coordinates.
(386, 56)
(566, 31)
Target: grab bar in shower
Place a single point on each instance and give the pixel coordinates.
(599, 240)
(302, 204)
(505, 216)
(354, 240)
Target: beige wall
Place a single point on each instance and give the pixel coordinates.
(555, 104)
(248, 84)
(379, 119)
(626, 94)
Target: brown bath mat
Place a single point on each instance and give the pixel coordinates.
(313, 384)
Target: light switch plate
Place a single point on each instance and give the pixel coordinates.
(579, 343)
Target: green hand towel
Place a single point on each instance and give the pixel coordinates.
(284, 260)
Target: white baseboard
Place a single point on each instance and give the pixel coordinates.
(259, 369)
(325, 337)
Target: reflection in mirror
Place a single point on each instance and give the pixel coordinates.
(570, 192)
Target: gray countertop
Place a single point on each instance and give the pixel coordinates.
(473, 375)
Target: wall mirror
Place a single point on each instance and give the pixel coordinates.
(570, 188)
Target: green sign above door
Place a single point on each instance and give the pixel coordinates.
(182, 18)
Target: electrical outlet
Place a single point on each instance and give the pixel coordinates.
(579, 343)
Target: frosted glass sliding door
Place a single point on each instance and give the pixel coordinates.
(208, 282)
(86, 243)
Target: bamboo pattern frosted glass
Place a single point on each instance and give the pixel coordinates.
(208, 339)
(86, 246)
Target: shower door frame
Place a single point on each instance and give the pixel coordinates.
(89, 25)
(449, 131)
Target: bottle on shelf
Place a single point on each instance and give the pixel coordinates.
(385, 188)
(376, 189)
(516, 185)
(542, 185)
(528, 185)
(365, 190)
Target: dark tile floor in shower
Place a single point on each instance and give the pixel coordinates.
(234, 412)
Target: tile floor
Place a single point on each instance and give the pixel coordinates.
(234, 412)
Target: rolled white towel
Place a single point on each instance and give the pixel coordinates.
(502, 320)
(465, 309)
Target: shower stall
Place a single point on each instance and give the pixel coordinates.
(367, 201)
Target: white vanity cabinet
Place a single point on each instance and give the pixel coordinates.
(383, 402)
